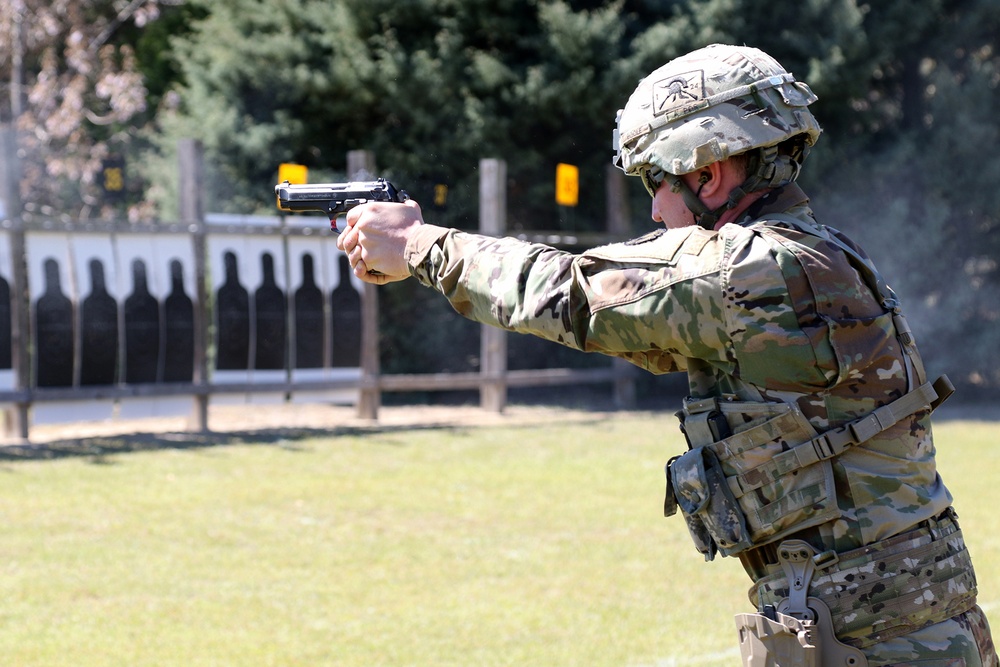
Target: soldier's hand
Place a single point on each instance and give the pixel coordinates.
(375, 240)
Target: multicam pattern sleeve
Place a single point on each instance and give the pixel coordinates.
(650, 301)
(722, 298)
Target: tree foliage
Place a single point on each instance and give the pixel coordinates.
(76, 92)
(431, 86)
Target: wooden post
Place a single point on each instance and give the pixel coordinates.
(191, 194)
(493, 341)
(617, 203)
(619, 223)
(361, 166)
(20, 308)
(20, 316)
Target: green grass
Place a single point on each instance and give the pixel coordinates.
(541, 545)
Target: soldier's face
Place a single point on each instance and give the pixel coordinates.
(669, 207)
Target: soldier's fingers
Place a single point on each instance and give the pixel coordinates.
(347, 239)
(360, 268)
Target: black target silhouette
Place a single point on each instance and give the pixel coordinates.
(53, 332)
(5, 325)
(233, 311)
(98, 331)
(142, 329)
(270, 315)
(308, 318)
(178, 320)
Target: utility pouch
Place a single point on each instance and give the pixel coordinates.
(753, 445)
(765, 473)
(714, 519)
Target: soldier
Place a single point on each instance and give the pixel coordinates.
(810, 454)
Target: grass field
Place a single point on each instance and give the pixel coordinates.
(539, 544)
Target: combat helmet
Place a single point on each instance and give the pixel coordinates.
(707, 106)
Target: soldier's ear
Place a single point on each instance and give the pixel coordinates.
(709, 179)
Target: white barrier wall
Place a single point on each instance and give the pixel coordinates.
(114, 309)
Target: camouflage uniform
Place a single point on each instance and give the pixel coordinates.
(761, 313)
(782, 328)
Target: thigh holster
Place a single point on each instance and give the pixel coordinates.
(799, 630)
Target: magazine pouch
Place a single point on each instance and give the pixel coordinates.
(714, 518)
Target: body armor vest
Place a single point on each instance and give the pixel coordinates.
(759, 471)
(758, 474)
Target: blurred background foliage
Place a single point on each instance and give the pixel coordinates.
(908, 97)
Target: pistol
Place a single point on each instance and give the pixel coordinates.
(334, 199)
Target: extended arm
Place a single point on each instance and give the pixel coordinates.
(645, 302)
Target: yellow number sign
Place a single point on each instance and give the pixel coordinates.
(567, 185)
(114, 179)
(296, 174)
(440, 195)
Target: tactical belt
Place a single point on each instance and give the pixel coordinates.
(890, 588)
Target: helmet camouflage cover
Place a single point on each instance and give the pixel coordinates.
(708, 105)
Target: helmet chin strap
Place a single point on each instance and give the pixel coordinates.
(703, 216)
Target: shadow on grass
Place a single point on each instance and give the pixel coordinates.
(100, 448)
